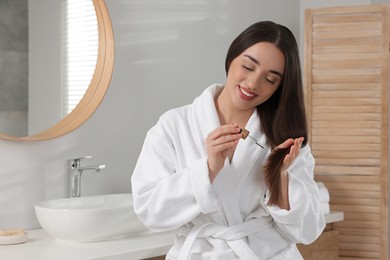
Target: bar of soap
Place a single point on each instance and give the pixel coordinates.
(11, 232)
(244, 133)
(12, 236)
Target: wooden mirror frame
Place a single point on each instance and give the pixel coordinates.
(97, 87)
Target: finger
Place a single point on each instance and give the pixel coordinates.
(222, 147)
(297, 148)
(293, 153)
(289, 142)
(287, 161)
(224, 130)
(299, 142)
(286, 144)
(223, 139)
(224, 134)
(298, 145)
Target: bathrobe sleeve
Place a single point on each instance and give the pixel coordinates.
(164, 196)
(304, 222)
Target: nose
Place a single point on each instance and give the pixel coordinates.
(253, 82)
(250, 84)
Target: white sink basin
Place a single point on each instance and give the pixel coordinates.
(90, 218)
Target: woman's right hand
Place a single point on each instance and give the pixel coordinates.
(218, 144)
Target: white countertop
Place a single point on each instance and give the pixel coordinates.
(43, 247)
(138, 246)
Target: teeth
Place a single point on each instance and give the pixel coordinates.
(246, 93)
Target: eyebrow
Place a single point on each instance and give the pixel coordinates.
(258, 63)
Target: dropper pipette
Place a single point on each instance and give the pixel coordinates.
(245, 134)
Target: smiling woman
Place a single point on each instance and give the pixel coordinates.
(96, 82)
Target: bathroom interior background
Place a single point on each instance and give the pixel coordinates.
(166, 53)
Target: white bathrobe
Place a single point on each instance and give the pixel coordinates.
(228, 219)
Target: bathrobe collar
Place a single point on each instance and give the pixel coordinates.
(205, 116)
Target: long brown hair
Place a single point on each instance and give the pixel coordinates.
(283, 115)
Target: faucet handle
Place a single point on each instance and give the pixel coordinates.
(75, 163)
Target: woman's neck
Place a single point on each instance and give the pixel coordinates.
(228, 113)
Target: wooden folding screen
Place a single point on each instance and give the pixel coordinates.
(347, 81)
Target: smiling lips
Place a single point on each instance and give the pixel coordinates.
(245, 93)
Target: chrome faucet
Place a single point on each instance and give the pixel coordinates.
(75, 170)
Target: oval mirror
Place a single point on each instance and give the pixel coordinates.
(57, 97)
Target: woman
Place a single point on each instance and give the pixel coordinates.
(227, 197)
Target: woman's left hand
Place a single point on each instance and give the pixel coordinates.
(295, 146)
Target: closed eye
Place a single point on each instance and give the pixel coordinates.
(247, 68)
(270, 81)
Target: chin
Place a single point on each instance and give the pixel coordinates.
(241, 106)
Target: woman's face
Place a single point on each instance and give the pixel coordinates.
(255, 75)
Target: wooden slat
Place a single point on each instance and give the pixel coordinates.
(346, 148)
(340, 79)
(344, 42)
(346, 132)
(371, 139)
(369, 217)
(344, 64)
(319, 109)
(346, 26)
(360, 224)
(348, 170)
(349, 124)
(342, 178)
(357, 239)
(343, 18)
(359, 220)
(349, 72)
(360, 254)
(347, 117)
(357, 186)
(356, 208)
(359, 183)
(360, 246)
(358, 232)
(368, 48)
(367, 101)
(361, 58)
(355, 201)
(355, 194)
(362, 217)
(339, 34)
(342, 154)
(354, 258)
(335, 94)
(346, 87)
(347, 161)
